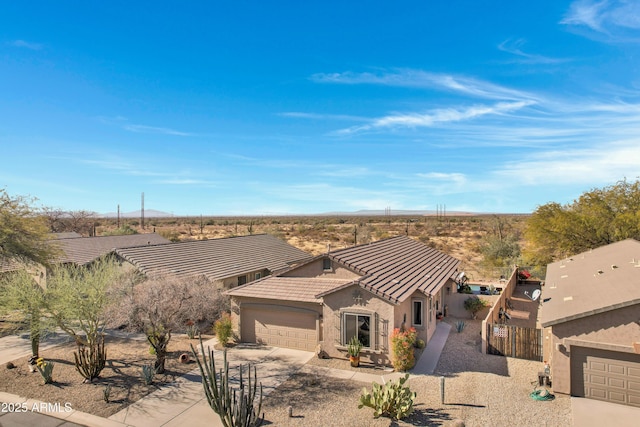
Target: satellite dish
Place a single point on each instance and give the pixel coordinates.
(534, 296)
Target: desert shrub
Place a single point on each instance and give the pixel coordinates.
(420, 344)
(473, 305)
(402, 342)
(171, 235)
(223, 328)
(392, 400)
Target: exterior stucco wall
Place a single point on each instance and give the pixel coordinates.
(617, 328)
(345, 300)
(315, 269)
(232, 282)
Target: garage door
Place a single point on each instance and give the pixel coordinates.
(605, 375)
(279, 328)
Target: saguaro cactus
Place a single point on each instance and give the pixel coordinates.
(236, 407)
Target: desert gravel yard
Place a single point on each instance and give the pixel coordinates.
(481, 390)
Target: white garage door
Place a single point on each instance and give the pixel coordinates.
(605, 375)
(279, 328)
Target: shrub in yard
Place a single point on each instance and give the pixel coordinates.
(473, 305)
(402, 343)
(392, 400)
(420, 344)
(223, 329)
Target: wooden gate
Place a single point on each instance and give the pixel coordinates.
(514, 341)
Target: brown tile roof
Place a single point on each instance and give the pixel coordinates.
(87, 249)
(592, 282)
(216, 258)
(304, 289)
(395, 268)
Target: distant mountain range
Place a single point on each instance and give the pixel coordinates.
(152, 213)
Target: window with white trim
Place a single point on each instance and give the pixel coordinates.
(417, 312)
(242, 280)
(358, 325)
(258, 276)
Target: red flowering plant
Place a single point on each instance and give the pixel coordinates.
(402, 345)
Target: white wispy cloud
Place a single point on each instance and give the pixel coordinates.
(464, 85)
(186, 181)
(514, 47)
(618, 20)
(316, 116)
(576, 165)
(155, 130)
(25, 44)
(438, 116)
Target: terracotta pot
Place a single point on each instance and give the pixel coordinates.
(355, 361)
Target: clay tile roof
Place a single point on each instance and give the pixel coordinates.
(592, 282)
(216, 258)
(303, 289)
(84, 250)
(395, 268)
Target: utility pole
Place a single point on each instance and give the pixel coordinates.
(142, 212)
(118, 216)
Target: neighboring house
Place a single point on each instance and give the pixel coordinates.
(591, 314)
(66, 235)
(226, 262)
(84, 250)
(364, 291)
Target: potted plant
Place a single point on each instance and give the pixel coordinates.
(353, 349)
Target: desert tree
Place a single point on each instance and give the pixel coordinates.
(597, 218)
(77, 298)
(25, 251)
(20, 291)
(24, 235)
(161, 304)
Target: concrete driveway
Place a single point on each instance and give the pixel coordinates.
(183, 403)
(594, 413)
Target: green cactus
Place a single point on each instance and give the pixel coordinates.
(236, 408)
(90, 360)
(148, 372)
(460, 326)
(106, 393)
(46, 370)
(391, 400)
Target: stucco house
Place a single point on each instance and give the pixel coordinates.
(364, 291)
(591, 314)
(226, 262)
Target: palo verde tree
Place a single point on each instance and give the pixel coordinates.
(161, 304)
(77, 298)
(20, 291)
(597, 218)
(23, 232)
(25, 251)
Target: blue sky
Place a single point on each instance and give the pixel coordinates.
(266, 108)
